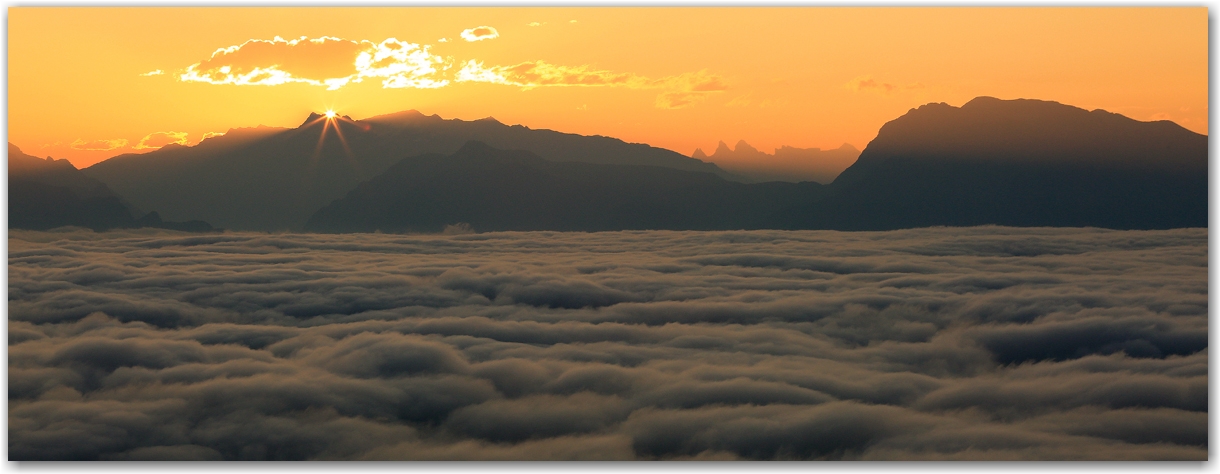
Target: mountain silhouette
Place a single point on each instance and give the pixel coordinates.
(495, 190)
(1007, 162)
(275, 178)
(991, 161)
(786, 164)
(1023, 163)
(44, 194)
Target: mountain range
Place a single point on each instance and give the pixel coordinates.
(275, 178)
(1008, 162)
(48, 193)
(786, 164)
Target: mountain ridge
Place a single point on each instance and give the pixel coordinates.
(289, 173)
(1021, 162)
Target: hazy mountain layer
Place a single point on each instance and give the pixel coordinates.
(272, 179)
(493, 189)
(786, 164)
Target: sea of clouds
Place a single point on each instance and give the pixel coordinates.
(939, 343)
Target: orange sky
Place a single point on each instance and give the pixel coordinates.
(678, 78)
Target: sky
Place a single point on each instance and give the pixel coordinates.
(87, 84)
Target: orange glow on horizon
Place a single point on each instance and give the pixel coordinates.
(87, 84)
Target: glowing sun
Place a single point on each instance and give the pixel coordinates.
(330, 114)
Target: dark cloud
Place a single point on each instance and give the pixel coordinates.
(936, 343)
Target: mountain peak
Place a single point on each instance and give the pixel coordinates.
(983, 101)
(699, 154)
(310, 119)
(987, 129)
(742, 146)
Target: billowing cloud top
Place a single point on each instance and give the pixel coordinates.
(480, 33)
(978, 343)
(332, 62)
(335, 62)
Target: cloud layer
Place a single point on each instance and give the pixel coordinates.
(981, 343)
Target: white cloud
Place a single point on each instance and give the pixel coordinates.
(480, 33)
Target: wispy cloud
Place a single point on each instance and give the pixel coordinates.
(156, 72)
(480, 33)
(867, 83)
(540, 73)
(99, 145)
(678, 100)
(211, 135)
(159, 139)
(685, 89)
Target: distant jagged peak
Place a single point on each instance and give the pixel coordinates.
(743, 147)
(785, 149)
(744, 150)
(489, 119)
(845, 148)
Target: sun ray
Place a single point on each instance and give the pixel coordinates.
(343, 140)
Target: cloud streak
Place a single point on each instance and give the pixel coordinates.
(867, 83)
(978, 343)
(99, 145)
(157, 140)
